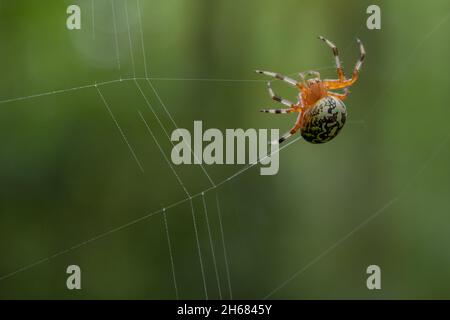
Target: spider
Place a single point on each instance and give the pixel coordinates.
(322, 112)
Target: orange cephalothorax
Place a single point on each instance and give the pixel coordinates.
(321, 111)
(313, 91)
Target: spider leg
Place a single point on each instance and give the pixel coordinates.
(278, 111)
(288, 134)
(339, 84)
(314, 74)
(303, 79)
(362, 55)
(277, 98)
(340, 71)
(275, 75)
(341, 96)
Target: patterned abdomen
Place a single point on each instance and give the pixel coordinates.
(323, 122)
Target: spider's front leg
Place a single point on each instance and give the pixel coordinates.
(278, 76)
(340, 71)
(342, 83)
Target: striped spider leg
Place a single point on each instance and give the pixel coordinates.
(294, 129)
(292, 107)
(314, 74)
(342, 82)
(294, 83)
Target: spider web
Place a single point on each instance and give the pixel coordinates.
(224, 290)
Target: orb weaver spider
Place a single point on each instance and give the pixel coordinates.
(322, 112)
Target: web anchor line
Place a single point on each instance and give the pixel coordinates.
(124, 79)
(212, 246)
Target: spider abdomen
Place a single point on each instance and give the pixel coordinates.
(322, 122)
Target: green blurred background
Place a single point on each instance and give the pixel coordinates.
(70, 190)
